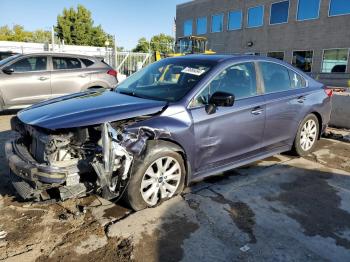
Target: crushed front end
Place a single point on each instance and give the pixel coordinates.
(71, 163)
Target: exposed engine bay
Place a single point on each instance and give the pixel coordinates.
(72, 163)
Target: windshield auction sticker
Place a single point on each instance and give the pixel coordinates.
(193, 71)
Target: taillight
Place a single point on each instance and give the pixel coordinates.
(112, 72)
(328, 91)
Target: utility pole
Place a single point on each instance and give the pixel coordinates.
(115, 53)
(52, 38)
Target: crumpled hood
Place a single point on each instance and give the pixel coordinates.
(88, 108)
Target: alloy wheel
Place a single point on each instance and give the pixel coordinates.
(161, 180)
(308, 135)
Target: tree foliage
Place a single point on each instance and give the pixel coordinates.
(162, 43)
(19, 34)
(76, 27)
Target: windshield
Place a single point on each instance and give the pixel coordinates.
(166, 80)
(6, 60)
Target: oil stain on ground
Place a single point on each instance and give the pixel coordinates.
(316, 206)
(165, 244)
(241, 214)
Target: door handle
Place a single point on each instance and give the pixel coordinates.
(301, 99)
(257, 110)
(83, 75)
(43, 78)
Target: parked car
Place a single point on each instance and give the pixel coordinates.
(6, 54)
(174, 122)
(31, 78)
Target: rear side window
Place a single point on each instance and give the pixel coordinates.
(87, 62)
(29, 64)
(296, 80)
(276, 77)
(61, 63)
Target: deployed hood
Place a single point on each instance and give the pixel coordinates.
(88, 108)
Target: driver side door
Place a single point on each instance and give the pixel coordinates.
(232, 133)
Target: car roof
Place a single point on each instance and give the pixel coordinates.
(60, 54)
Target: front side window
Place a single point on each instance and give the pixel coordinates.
(256, 16)
(63, 63)
(166, 80)
(335, 61)
(308, 9)
(201, 26)
(188, 27)
(35, 63)
(277, 55)
(217, 23)
(303, 60)
(276, 77)
(235, 20)
(239, 80)
(339, 7)
(279, 12)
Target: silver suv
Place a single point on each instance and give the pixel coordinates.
(31, 78)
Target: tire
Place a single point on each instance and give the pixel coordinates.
(307, 136)
(141, 183)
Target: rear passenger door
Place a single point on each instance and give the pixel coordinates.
(67, 76)
(285, 96)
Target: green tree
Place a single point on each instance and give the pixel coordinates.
(19, 34)
(142, 46)
(162, 43)
(76, 27)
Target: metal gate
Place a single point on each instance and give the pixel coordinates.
(128, 63)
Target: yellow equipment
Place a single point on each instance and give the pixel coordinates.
(188, 45)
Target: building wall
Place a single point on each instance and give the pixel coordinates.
(318, 34)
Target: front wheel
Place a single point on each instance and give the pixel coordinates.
(307, 135)
(158, 176)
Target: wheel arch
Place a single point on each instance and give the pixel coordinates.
(320, 123)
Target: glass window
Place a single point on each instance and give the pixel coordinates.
(61, 63)
(279, 12)
(256, 16)
(303, 60)
(239, 80)
(308, 9)
(277, 55)
(188, 27)
(166, 80)
(335, 61)
(87, 62)
(235, 20)
(339, 7)
(201, 25)
(217, 23)
(35, 63)
(276, 77)
(297, 81)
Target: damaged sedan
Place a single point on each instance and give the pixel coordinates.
(176, 121)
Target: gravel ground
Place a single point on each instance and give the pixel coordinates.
(279, 209)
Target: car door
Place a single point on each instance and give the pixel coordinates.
(29, 82)
(231, 133)
(68, 75)
(284, 96)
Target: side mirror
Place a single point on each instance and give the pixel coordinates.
(8, 70)
(222, 99)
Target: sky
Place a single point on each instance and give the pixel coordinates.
(128, 20)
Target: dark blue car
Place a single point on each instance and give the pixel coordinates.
(174, 122)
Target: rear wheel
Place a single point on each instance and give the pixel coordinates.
(307, 135)
(160, 175)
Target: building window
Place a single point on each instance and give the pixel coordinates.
(308, 9)
(235, 20)
(217, 23)
(277, 55)
(335, 60)
(279, 13)
(339, 7)
(188, 27)
(303, 60)
(201, 26)
(256, 16)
